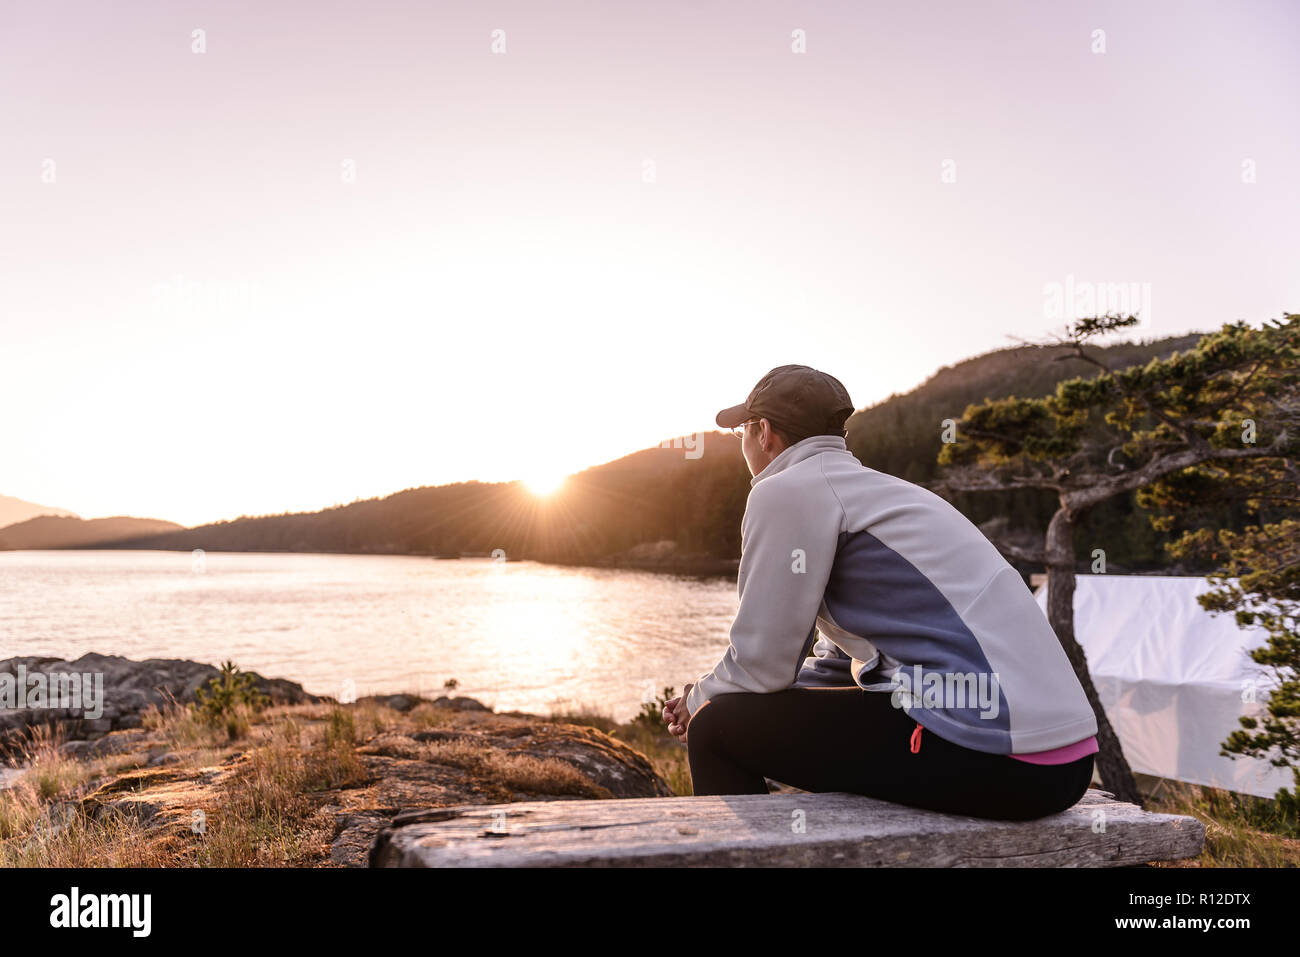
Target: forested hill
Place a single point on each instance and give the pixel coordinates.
(693, 498)
(902, 434)
(655, 495)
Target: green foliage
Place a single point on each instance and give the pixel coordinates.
(1229, 407)
(1259, 584)
(1287, 804)
(1002, 429)
(1226, 405)
(1100, 425)
(999, 393)
(1256, 575)
(226, 698)
(1090, 326)
(902, 435)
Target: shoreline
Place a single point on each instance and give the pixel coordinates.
(291, 780)
(695, 567)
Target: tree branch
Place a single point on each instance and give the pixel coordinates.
(987, 482)
(1037, 556)
(1101, 487)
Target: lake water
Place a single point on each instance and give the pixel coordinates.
(517, 635)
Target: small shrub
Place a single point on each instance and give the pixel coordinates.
(229, 699)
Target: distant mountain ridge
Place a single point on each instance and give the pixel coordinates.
(15, 510)
(693, 504)
(62, 531)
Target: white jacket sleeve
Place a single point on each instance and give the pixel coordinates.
(788, 539)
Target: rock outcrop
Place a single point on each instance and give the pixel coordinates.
(408, 755)
(479, 757)
(128, 687)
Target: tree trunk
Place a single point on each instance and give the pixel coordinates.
(1111, 764)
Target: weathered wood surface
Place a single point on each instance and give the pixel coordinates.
(789, 830)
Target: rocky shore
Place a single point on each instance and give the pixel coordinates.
(667, 558)
(310, 783)
(124, 689)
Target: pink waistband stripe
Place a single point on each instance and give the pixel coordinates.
(1063, 755)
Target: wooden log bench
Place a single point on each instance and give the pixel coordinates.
(778, 830)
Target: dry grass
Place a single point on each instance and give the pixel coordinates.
(43, 823)
(666, 755)
(259, 821)
(267, 813)
(426, 717)
(524, 772)
(49, 772)
(262, 798)
(1240, 830)
(36, 833)
(184, 731)
(515, 772)
(587, 716)
(370, 717)
(255, 803)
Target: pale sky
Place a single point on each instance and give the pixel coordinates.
(545, 258)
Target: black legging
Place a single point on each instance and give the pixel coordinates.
(847, 739)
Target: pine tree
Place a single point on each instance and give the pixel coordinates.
(1224, 402)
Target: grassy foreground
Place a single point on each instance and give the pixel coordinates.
(1240, 830)
(182, 791)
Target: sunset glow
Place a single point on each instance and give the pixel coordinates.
(257, 281)
(545, 484)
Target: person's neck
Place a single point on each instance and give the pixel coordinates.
(771, 456)
(813, 445)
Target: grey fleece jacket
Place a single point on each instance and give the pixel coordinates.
(892, 589)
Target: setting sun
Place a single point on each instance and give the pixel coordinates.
(544, 484)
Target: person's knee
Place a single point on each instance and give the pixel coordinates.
(708, 726)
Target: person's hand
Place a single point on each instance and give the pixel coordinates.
(676, 715)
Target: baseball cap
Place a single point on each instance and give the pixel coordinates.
(797, 399)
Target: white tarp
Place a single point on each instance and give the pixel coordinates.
(1173, 678)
